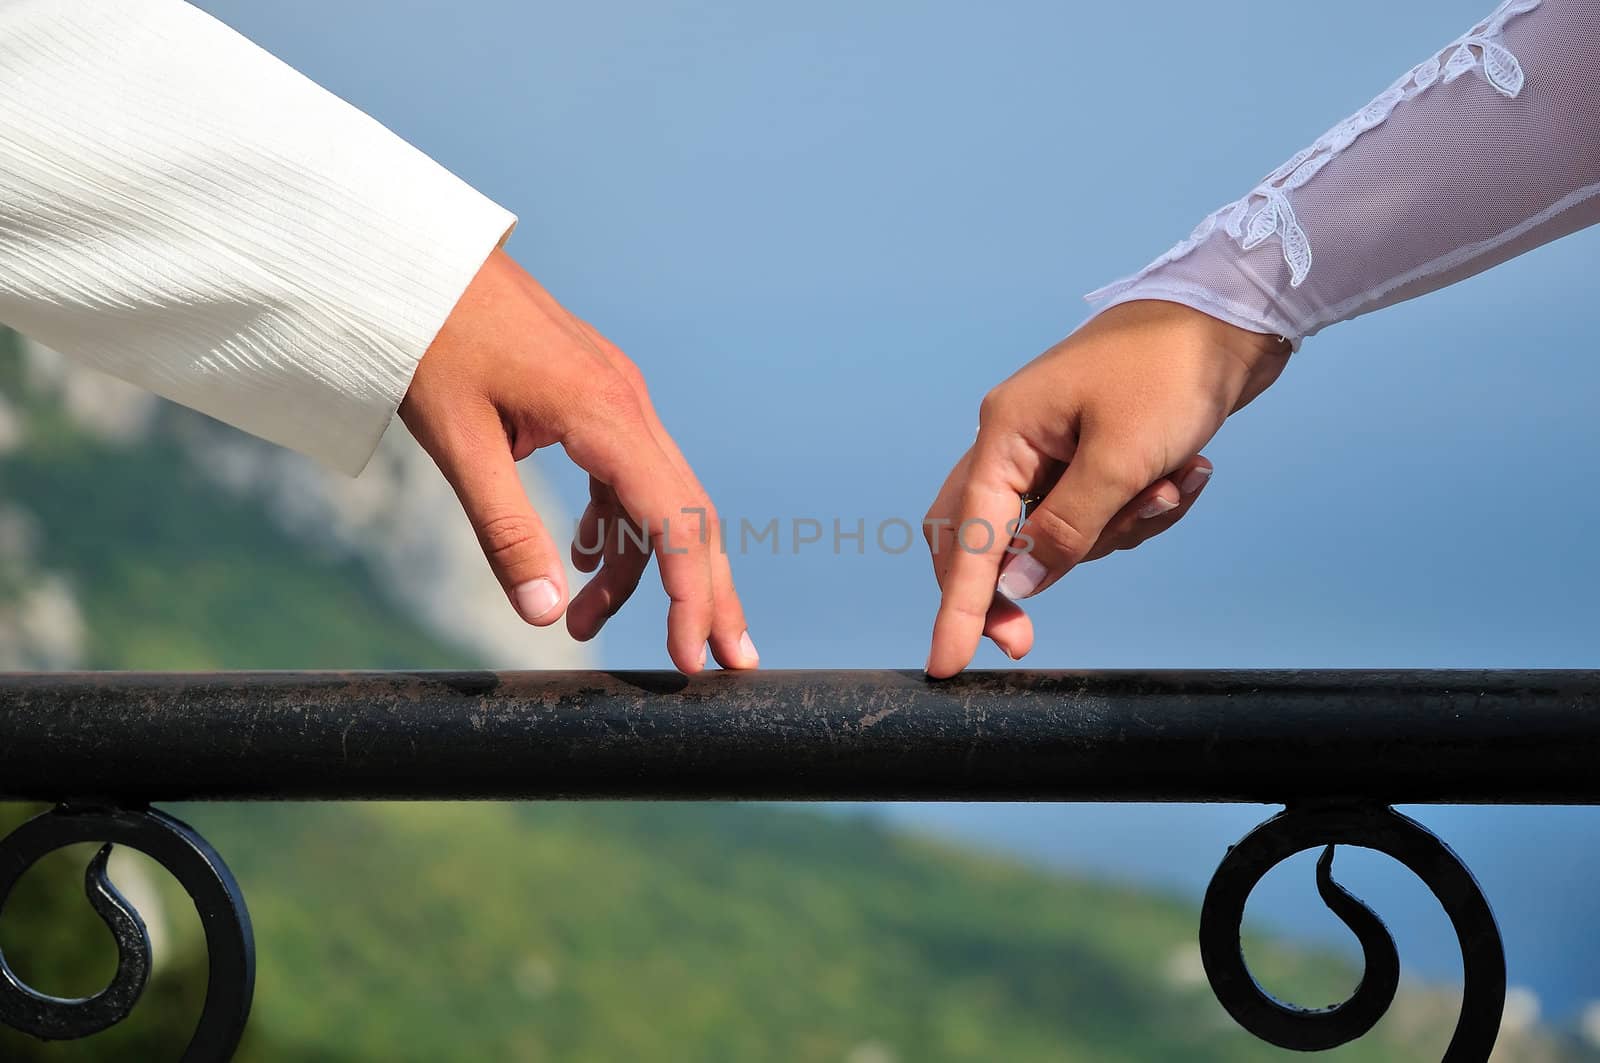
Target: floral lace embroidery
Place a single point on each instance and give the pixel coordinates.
(1269, 200)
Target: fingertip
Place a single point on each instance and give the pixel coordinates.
(689, 664)
(538, 601)
(736, 653)
(1164, 498)
(688, 655)
(1010, 629)
(942, 664)
(1021, 577)
(1196, 478)
(586, 613)
(581, 627)
(686, 646)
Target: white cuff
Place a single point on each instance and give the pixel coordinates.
(184, 211)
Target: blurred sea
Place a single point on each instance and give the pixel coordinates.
(1538, 867)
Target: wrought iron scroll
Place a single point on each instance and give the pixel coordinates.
(1378, 827)
(230, 944)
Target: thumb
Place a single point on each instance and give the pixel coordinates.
(519, 550)
(1062, 531)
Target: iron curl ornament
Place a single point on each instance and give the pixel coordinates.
(230, 943)
(1302, 827)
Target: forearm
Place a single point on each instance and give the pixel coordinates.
(1453, 169)
(182, 210)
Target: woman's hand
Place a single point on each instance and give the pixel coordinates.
(512, 371)
(1107, 428)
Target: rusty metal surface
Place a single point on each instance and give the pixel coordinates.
(1391, 736)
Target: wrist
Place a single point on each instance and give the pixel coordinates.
(1255, 349)
(1252, 349)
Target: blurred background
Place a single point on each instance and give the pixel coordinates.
(824, 232)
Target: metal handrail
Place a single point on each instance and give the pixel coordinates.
(1337, 748)
(1463, 737)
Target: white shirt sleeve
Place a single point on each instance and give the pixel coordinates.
(184, 211)
(1486, 149)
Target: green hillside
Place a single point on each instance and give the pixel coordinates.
(173, 573)
(489, 932)
(710, 933)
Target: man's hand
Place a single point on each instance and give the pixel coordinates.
(1106, 427)
(512, 371)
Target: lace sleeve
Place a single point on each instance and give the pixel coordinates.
(1486, 149)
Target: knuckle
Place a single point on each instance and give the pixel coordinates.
(994, 406)
(957, 606)
(674, 540)
(474, 429)
(1056, 530)
(713, 527)
(506, 536)
(631, 373)
(1116, 537)
(1124, 472)
(613, 394)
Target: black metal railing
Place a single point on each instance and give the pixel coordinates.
(1337, 749)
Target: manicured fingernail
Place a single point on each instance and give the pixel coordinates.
(1155, 507)
(1022, 576)
(535, 598)
(1196, 479)
(747, 648)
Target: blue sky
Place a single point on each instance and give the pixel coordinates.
(824, 230)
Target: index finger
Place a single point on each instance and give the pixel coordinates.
(978, 540)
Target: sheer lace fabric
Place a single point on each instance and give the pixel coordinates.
(1484, 150)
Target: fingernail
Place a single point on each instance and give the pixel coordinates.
(700, 662)
(1155, 507)
(1196, 479)
(747, 648)
(536, 597)
(1022, 576)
